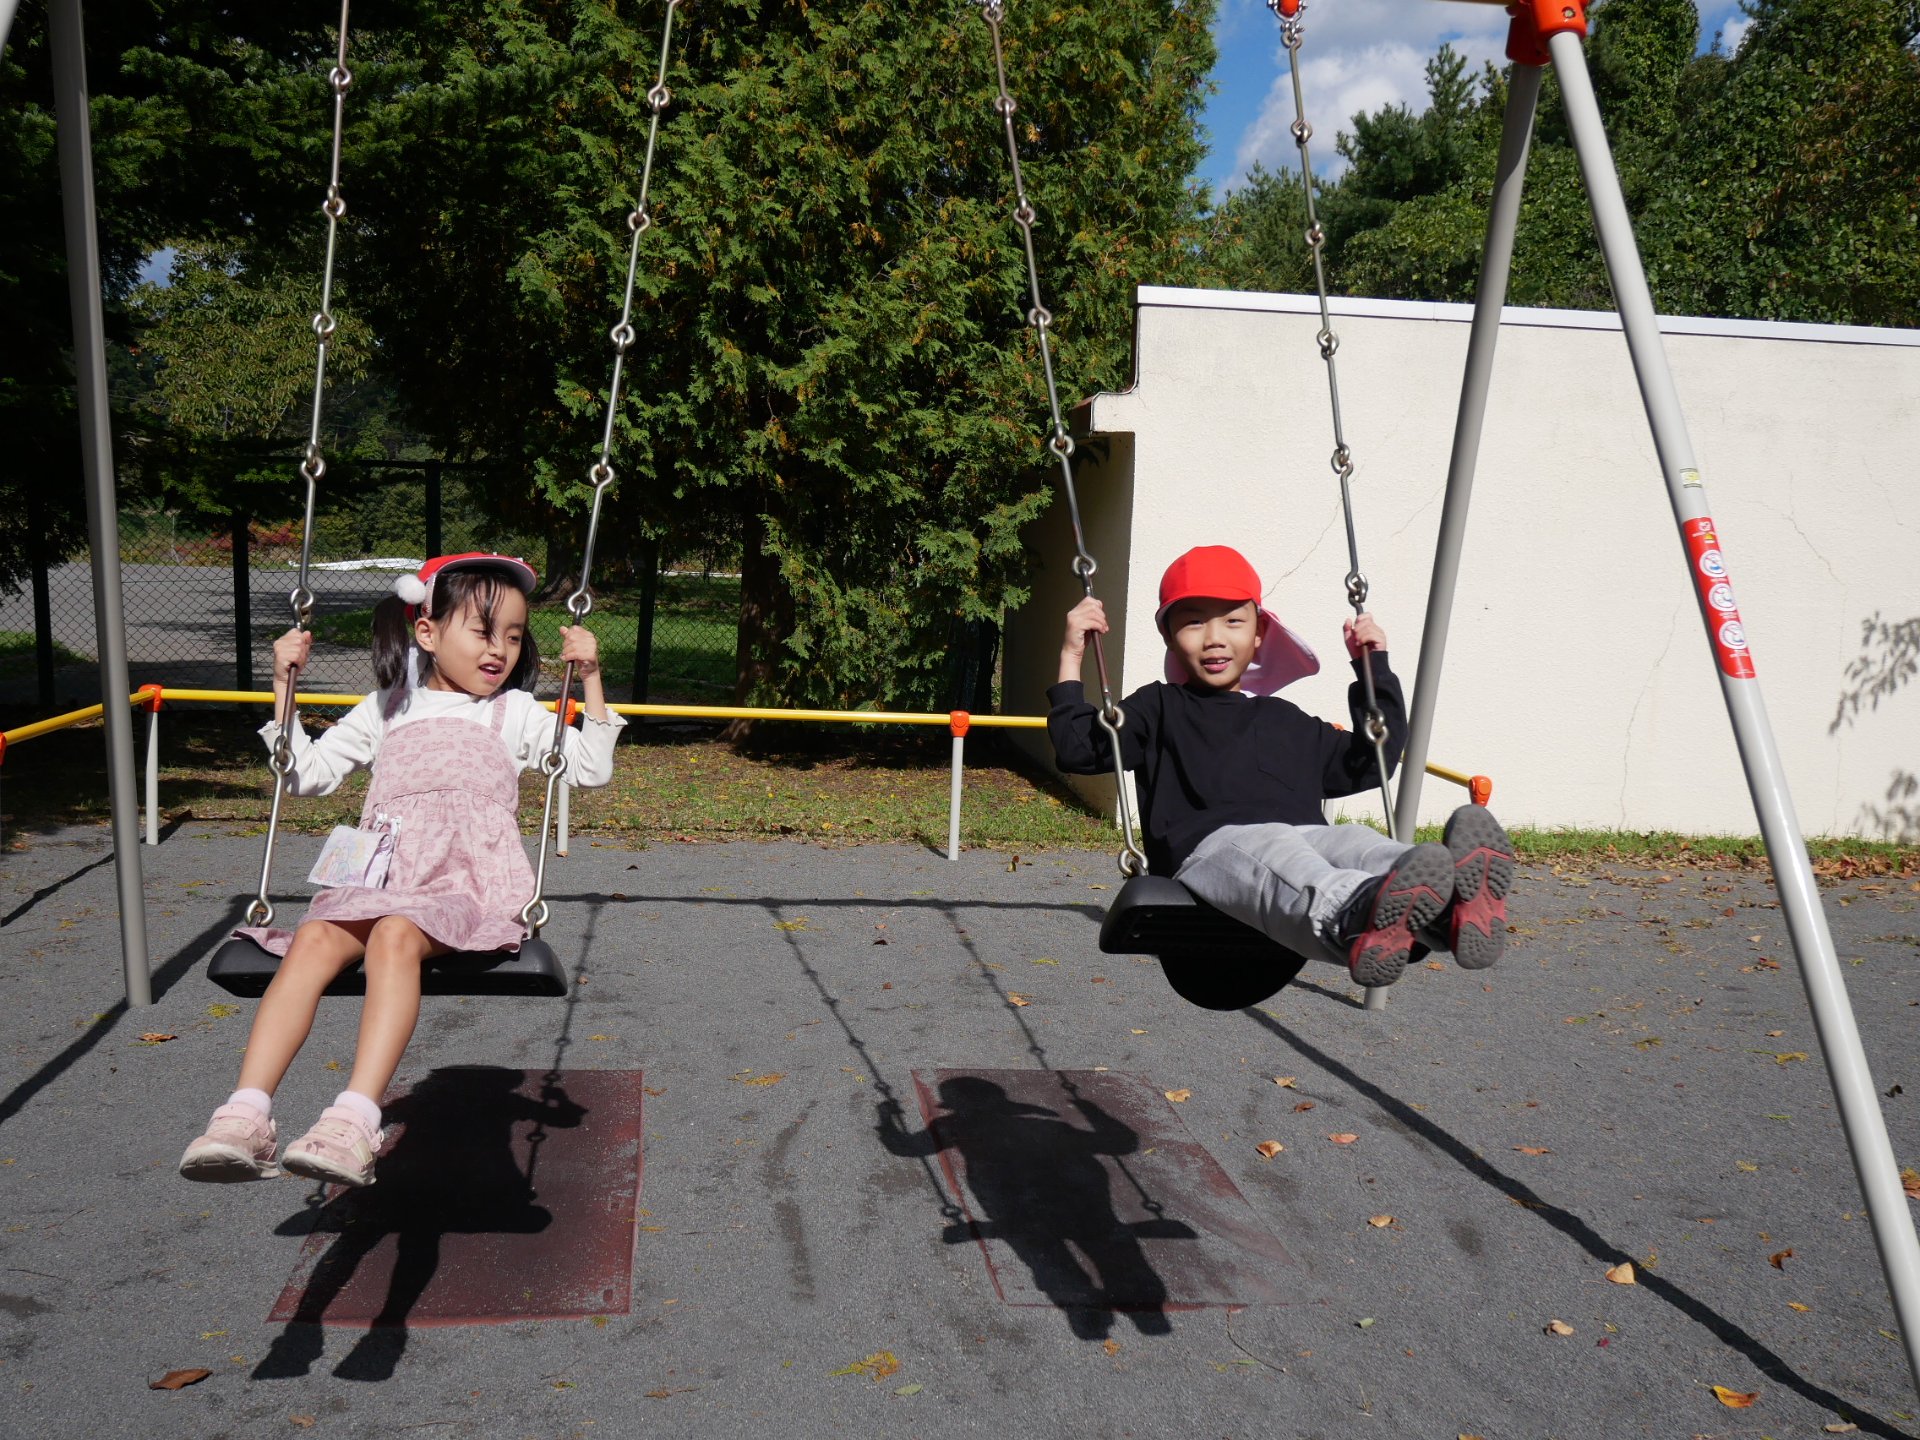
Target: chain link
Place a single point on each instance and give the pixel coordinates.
(313, 467)
(535, 913)
(1132, 859)
(1291, 35)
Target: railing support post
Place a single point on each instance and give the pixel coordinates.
(957, 725)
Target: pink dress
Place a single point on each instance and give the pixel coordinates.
(459, 869)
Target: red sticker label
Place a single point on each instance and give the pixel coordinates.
(1709, 567)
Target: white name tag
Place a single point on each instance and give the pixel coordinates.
(354, 857)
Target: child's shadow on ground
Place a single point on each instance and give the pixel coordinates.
(452, 1170)
(1039, 1185)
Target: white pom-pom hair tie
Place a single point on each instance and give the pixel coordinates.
(411, 588)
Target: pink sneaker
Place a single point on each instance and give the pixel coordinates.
(238, 1145)
(337, 1149)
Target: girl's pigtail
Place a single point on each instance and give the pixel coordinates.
(392, 639)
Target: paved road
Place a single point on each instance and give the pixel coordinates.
(180, 626)
(1628, 1084)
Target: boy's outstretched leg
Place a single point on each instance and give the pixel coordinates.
(1474, 926)
(1375, 930)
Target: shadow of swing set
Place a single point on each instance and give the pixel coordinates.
(1210, 959)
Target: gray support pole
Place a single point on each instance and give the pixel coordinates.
(96, 458)
(1833, 1020)
(153, 776)
(953, 796)
(7, 7)
(1496, 262)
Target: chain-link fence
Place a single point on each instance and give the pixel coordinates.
(203, 607)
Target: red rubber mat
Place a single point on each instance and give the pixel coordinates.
(502, 1195)
(1085, 1191)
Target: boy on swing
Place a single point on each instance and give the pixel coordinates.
(1232, 781)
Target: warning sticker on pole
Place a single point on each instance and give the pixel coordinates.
(1729, 636)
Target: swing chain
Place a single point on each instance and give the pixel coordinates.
(536, 912)
(1132, 859)
(1329, 343)
(313, 467)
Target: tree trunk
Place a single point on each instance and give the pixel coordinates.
(766, 619)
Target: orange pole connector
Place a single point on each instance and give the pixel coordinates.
(1536, 21)
(957, 722)
(1289, 8)
(152, 699)
(1480, 789)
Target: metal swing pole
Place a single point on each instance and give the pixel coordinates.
(1496, 263)
(1563, 25)
(68, 37)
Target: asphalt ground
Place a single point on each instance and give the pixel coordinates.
(1637, 1080)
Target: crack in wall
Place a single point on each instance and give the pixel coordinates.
(1805, 539)
(1653, 672)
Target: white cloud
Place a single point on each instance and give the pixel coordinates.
(1360, 56)
(1733, 32)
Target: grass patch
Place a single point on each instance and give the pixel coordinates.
(17, 654)
(695, 621)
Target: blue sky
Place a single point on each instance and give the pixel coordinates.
(1358, 55)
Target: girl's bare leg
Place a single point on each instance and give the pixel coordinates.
(396, 950)
(321, 949)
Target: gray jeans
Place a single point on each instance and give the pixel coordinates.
(1289, 881)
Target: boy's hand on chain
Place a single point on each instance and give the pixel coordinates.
(1089, 617)
(1363, 633)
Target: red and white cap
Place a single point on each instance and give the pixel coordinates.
(417, 590)
(1219, 572)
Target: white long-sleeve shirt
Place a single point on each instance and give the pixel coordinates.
(527, 730)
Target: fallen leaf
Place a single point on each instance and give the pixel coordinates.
(1112, 1347)
(156, 1037)
(773, 1079)
(1380, 1222)
(1910, 1182)
(1303, 1105)
(1285, 1081)
(599, 1038)
(305, 1422)
(222, 1011)
(1435, 965)
(1046, 960)
(1775, 1034)
(1843, 1427)
(659, 1394)
(1533, 1149)
(1139, 1032)
(1345, 1137)
(790, 925)
(1622, 1274)
(1746, 1166)
(1796, 1305)
(1176, 1096)
(1559, 1327)
(876, 1367)
(1363, 1324)
(1269, 1148)
(178, 1379)
(1020, 1001)
(912, 1388)
(1735, 1399)
(1779, 1260)
(1787, 1057)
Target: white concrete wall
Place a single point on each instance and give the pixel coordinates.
(1578, 672)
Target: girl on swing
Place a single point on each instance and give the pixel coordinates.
(437, 863)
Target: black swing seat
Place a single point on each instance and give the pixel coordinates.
(243, 968)
(1210, 959)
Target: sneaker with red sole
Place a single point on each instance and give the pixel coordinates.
(1475, 924)
(1376, 929)
(238, 1145)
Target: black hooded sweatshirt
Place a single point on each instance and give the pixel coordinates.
(1207, 758)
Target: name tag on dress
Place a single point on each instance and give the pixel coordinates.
(354, 857)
